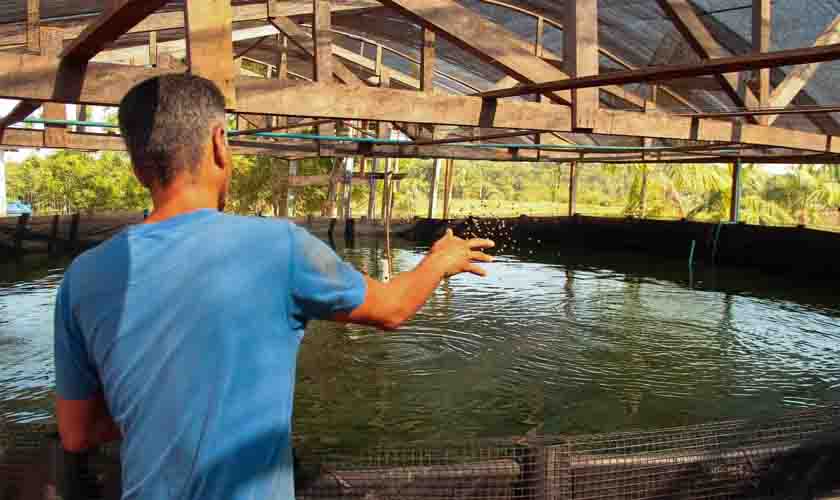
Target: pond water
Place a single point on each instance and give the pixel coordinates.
(555, 341)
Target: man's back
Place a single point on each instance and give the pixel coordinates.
(192, 327)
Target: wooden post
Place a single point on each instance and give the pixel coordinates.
(580, 45)
(81, 115)
(53, 244)
(735, 201)
(3, 200)
(538, 47)
(20, 233)
(153, 49)
(290, 204)
(73, 237)
(433, 189)
(427, 61)
(371, 215)
(386, 188)
(449, 179)
(210, 44)
(33, 25)
(52, 43)
(761, 28)
(427, 75)
(323, 61)
(573, 179)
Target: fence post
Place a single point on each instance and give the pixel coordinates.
(74, 232)
(52, 245)
(20, 233)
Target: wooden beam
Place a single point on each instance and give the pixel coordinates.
(449, 179)
(483, 38)
(33, 25)
(580, 54)
(427, 61)
(106, 84)
(761, 28)
(697, 34)
(799, 77)
(433, 188)
(660, 73)
(210, 44)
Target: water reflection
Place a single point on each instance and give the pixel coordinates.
(561, 343)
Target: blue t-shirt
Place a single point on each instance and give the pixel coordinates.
(191, 327)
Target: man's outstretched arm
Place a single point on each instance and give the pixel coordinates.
(389, 305)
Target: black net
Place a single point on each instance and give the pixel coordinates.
(795, 456)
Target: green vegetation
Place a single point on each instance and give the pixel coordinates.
(67, 182)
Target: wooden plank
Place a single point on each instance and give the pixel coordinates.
(483, 38)
(210, 44)
(761, 28)
(580, 47)
(660, 73)
(283, 58)
(427, 61)
(697, 34)
(799, 77)
(33, 25)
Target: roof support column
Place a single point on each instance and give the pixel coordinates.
(55, 136)
(449, 178)
(210, 44)
(3, 201)
(761, 26)
(33, 25)
(580, 45)
(735, 201)
(433, 188)
(573, 181)
(323, 60)
(427, 74)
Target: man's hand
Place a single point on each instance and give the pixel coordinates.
(389, 305)
(457, 255)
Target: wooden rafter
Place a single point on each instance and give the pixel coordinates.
(697, 34)
(485, 39)
(660, 73)
(796, 80)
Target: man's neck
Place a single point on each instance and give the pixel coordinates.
(181, 199)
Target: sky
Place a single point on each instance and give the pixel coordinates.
(6, 105)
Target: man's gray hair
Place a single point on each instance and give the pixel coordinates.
(166, 123)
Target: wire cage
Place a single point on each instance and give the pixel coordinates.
(794, 456)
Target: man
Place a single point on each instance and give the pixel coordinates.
(179, 335)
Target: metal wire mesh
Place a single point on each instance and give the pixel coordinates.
(795, 456)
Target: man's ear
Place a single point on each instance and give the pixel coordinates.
(221, 153)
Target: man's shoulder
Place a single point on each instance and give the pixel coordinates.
(256, 226)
